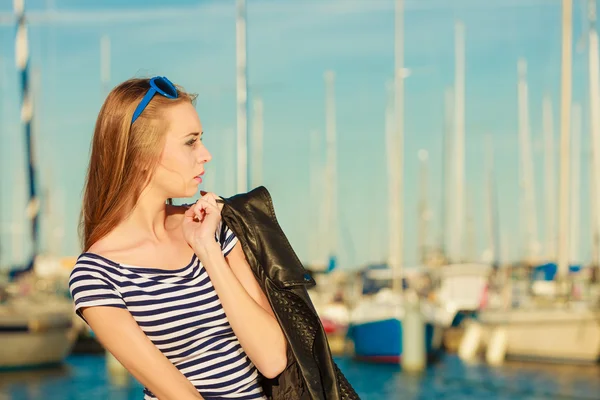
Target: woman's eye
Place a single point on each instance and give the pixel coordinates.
(191, 142)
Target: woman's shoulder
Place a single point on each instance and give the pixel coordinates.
(94, 271)
(90, 261)
(105, 250)
(121, 245)
(104, 256)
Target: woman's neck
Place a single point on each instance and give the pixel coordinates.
(149, 215)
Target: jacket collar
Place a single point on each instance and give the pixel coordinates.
(251, 217)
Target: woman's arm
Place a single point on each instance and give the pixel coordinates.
(241, 269)
(119, 333)
(246, 307)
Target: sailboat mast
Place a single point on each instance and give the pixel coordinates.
(2, 91)
(550, 178)
(257, 141)
(22, 62)
(575, 183)
(16, 227)
(315, 241)
(330, 138)
(565, 142)
(527, 165)
(595, 251)
(447, 181)
(458, 227)
(392, 174)
(594, 90)
(242, 97)
(423, 156)
(492, 212)
(397, 218)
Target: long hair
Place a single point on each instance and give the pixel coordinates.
(123, 156)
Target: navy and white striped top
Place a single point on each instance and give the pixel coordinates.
(180, 312)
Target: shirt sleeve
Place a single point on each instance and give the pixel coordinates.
(226, 238)
(92, 288)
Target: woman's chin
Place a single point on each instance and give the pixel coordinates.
(192, 192)
(188, 192)
(183, 195)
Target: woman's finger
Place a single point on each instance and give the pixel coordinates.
(207, 206)
(190, 211)
(218, 200)
(211, 198)
(198, 210)
(194, 212)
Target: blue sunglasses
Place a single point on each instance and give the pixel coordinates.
(160, 85)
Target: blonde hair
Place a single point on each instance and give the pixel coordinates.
(123, 156)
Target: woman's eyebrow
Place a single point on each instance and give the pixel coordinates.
(193, 134)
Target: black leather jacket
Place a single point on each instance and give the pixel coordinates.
(311, 372)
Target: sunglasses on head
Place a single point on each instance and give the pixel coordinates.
(160, 85)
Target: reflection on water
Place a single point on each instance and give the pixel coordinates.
(84, 377)
(452, 380)
(31, 384)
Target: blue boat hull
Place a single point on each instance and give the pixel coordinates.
(381, 341)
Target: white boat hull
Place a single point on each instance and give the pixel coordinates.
(27, 349)
(552, 335)
(35, 333)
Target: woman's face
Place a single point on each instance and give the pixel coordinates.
(181, 165)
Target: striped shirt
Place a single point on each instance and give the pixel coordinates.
(180, 312)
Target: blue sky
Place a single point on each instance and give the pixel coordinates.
(290, 45)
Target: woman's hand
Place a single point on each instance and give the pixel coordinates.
(201, 221)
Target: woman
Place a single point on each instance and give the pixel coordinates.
(167, 289)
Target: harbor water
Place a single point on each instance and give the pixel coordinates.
(84, 377)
